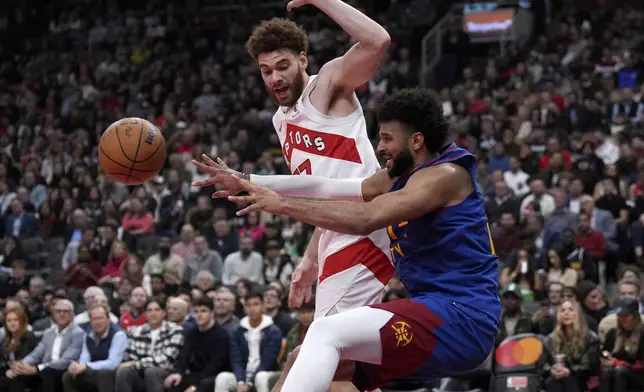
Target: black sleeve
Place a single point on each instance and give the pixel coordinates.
(220, 358)
(183, 362)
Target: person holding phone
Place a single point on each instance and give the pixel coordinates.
(622, 355)
(572, 351)
(520, 272)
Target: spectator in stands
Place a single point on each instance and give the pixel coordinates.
(225, 305)
(561, 218)
(627, 288)
(592, 300)
(178, 310)
(538, 200)
(545, 317)
(245, 263)
(137, 220)
(112, 270)
(71, 251)
(252, 228)
(103, 349)
(92, 296)
(85, 271)
(506, 238)
(513, 320)
(18, 279)
(156, 263)
(204, 354)
(273, 309)
(520, 271)
(516, 178)
(152, 350)
(578, 258)
(572, 351)
(296, 335)
(252, 366)
(16, 344)
(186, 246)
(41, 325)
(132, 270)
(602, 221)
(43, 368)
(203, 259)
(221, 238)
(558, 269)
(20, 223)
(136, 316)
(500, 203)
(277, 266)
(623, 351)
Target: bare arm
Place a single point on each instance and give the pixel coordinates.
(427, 190)
(359, 64)
(310, 256)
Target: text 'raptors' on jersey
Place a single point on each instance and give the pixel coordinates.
(349, 266)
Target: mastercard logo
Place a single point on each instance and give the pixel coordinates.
(519, 352)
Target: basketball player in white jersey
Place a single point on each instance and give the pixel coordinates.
(322, 130)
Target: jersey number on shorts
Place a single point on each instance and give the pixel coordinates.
(489, 234)
(304, 168)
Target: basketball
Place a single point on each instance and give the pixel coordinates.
(131, 151)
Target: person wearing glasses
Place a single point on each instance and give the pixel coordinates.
(43, 368)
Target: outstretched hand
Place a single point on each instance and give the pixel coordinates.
(219, 173)
(261, 198)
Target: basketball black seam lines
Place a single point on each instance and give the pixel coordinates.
(134, 160)
(122, 165)
(121, 146)
(125, 175)
(136, 154)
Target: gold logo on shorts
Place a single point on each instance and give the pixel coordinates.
(402, 332)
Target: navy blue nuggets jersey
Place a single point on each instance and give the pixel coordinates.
(448, 254)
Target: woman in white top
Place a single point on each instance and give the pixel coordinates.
(559, 270)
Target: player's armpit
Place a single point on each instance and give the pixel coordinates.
(426, 191)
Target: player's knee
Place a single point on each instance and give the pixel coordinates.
(322, 330)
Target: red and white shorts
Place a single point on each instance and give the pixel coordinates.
(354, 271)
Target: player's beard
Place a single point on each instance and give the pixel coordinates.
(402, 162)
(296, 86)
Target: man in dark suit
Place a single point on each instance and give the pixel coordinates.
(42, 370)
(19, 222)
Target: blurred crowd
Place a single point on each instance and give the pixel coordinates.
(109, 287)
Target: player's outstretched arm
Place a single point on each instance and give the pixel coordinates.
(426, 191)
(359, 64)
(296, 186)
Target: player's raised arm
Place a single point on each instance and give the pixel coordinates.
(296, 186)
(428, 190)
(361, 61)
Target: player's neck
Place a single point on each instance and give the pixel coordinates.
(423, 157)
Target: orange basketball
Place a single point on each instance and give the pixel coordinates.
(131, 151)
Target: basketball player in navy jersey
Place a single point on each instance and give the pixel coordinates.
(433, 211)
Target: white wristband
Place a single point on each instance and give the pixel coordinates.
(312, 186)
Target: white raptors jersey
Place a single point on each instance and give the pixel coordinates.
(332, 147)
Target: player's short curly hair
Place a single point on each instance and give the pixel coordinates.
(420, 111)
(276, 34)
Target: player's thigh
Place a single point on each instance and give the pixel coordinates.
(352, 289)
(225, 382)
(355, 333)
(428, 340)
